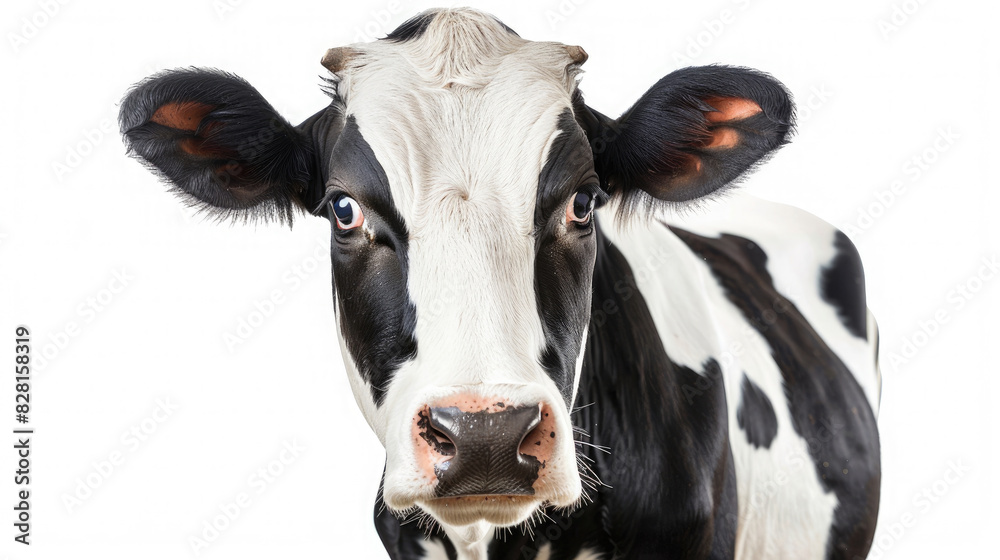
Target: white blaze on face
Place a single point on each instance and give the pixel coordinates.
(461, 119)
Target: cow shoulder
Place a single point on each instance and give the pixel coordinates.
(812, 264)
(774, 265)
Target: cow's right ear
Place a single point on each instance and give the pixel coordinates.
(220, 144)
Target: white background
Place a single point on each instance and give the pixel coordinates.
(75, 211)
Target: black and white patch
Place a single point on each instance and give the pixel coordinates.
(665, 448)
(828, 408)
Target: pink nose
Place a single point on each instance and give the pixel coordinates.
(472, 446)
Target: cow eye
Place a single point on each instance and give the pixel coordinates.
(348, 212)
(580, 208)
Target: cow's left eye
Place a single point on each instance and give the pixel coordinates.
(580, 208)
(348, 212)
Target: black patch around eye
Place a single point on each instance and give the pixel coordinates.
(563, 264)
(568, 164)
(376, 316)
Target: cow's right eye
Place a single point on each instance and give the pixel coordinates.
(348, 212)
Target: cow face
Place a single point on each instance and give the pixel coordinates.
(459, 169)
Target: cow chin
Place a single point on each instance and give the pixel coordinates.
(562, 490)
(498, 511)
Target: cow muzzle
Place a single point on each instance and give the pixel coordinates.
(484, 453)
(488, 458)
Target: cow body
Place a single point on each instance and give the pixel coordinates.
(558, 366)
(707, 441)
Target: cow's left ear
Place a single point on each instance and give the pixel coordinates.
(695, 132)
(220, 144)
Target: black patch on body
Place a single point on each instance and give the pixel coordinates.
(563, 261)
(828, 408)
(755, 415)
(843, 286)
(672, 480)
(377, 318)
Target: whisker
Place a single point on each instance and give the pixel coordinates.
(602, 448)
(581, 407)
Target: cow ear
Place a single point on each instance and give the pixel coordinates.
(695, 132)
(219, 144)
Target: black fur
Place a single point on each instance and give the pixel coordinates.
(843, 287)
(405, 541)
(412, 28)
(755, 415)
(649, 150)
(243, 161)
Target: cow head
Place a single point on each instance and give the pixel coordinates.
(459, 169)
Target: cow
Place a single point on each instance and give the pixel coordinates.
(561, 360)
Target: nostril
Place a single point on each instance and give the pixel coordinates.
(437, 437)
(441, 442)
(540, 440)
(524, 447)
(532, 442)
(445, 427)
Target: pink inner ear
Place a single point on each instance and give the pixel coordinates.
(730, 109)
(723, 137)
(182, 116)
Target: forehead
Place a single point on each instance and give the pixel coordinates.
(460, 109)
